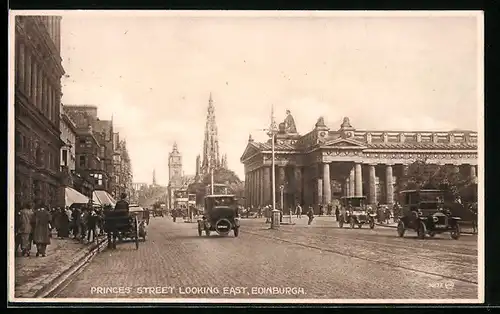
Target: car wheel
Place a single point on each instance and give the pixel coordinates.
(401, 229)
(455, 233)
(352, 222)
(421, 230)
(236, 232)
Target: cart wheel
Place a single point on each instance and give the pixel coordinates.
(136, 233)
(236, 232)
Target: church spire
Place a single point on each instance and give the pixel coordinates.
(211, 157)
(154, 177)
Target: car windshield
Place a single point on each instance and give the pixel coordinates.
(355, 202)
(221, 201)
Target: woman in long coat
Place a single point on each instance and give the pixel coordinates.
(26, 219)
(41, 234)
(62, 224)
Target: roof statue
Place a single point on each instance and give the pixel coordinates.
(320, 122)
(290, 123)
(346, 123)
(250, 138)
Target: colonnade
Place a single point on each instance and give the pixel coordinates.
(313, 185)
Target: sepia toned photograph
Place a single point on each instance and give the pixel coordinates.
(246, 157)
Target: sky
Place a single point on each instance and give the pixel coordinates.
(154, 74)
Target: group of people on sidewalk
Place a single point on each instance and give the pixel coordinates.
(35, 224)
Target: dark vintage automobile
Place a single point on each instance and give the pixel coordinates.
(424, 212)
(353, 210)
(220, 215)
(122, 224)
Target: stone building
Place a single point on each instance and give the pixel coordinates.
(102, 130)
(175, 174)
(89, 165)
(68, 150)
(326, 164)
(37, 90)
(122, 169)
(211, 158)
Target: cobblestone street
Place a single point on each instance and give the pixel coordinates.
(318, 261)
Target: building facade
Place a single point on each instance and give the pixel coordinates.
(68, 150)
(324, 164)
(175, 180)
(85, 116)
(38, 72)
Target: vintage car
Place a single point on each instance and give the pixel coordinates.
(424, 212)
(220, 215)
(355, 212)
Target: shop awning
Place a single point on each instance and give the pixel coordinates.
(72, 196)
(103, 198)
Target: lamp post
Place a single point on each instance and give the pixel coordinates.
(272, 133)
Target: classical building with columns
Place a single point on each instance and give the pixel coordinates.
(324, 164)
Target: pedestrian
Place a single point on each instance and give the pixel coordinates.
(76, 214)
(320, 209)
(25, 228)
(310, 214)
(122, 204)
(92, 224)
(63, 224)
(337, 213)
(83, 224)
(299, 211)
(41, 234)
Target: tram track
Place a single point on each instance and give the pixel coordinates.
(401, 246)
(343, 253)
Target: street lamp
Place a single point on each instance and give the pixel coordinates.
(273, 130)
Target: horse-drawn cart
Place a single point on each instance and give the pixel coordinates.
(121, 224)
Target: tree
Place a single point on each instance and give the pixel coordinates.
(221, 176)
(423, 175)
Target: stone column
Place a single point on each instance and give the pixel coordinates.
(34, 82)
(260, 179)
(372, 185)
(250, 186)
(327, 189)
(352, 179)
(389, 187)
(21, 69)
(27, 83)
(346, 187)
(39, 90)
(297, 176)
(359, 179)
(473, 171)
(254, 184)
(266, 184)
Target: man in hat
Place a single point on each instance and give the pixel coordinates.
(41, 234)
(122, 204)
(25, 228)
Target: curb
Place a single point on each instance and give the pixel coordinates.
(387, 226)
(71, 270)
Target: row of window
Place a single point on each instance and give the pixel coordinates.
(83, 162)
(35, 152)
(36, 83)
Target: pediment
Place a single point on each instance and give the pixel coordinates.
(250, 150)
(344, 143)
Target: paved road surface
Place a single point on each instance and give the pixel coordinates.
(318, 261)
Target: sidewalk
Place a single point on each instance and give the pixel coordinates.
(34, 275)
